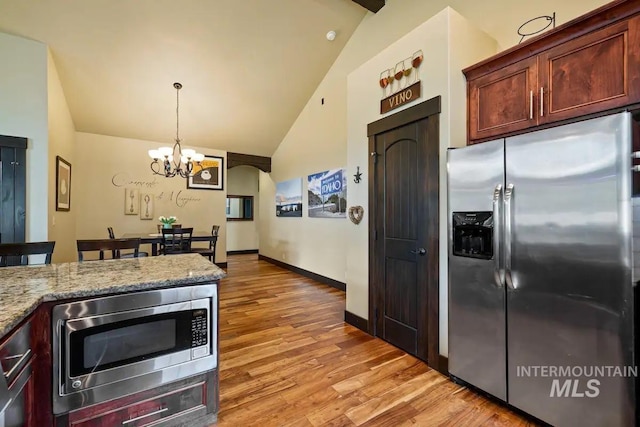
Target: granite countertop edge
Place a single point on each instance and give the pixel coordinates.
(22, 309)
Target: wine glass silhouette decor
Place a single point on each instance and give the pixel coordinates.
(384, 81)
(407, 70)
(399, 72)
(416, 61)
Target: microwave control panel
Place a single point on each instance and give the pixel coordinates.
(199, 330)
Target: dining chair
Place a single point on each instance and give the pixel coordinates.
(12, 254)
(112, 235)
(105, 245)
(210, 252)
(176, 241)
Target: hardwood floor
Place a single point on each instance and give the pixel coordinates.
(288, 359)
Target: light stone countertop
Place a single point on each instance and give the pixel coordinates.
(22, 289)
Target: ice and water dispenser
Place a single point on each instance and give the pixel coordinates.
(473, 234)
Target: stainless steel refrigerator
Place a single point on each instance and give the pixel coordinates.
(541, 293)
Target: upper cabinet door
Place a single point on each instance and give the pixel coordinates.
(503, 101)
(594, 72)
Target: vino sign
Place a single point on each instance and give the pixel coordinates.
(401, 98)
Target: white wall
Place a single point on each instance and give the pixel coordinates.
(243, 235)
(324, 136)
(62, 135)
(23, 113)
(449, 43)
(105, 166)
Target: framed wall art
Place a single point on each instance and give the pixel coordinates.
(327, 192)
(289, 198)
(63, 184)
(131, 201)
(146, 206)
(208, 175)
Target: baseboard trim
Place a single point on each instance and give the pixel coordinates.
(443, 365)
(356, 321)
(306, 273)
(244, 252)
(221, 264)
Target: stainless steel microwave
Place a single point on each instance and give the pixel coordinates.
(109, 347)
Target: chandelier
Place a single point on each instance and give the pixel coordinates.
(172, 161)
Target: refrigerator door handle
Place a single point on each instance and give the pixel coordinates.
(498, 273)
(508, 196)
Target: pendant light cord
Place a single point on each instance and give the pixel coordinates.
(178, 113)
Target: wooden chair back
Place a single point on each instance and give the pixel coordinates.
(106, 245)
(176, 241)
(12, 254)
(210, 252)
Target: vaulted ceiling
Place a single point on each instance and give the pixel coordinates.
(247, 67)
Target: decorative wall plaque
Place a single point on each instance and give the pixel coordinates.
(401, 98)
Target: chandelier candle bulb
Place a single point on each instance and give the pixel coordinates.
(188, 153)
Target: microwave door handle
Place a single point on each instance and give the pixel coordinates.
(508, 234)
(498, 273)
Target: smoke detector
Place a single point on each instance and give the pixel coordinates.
(331, 35)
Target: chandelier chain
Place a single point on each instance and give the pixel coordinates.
(178, 114)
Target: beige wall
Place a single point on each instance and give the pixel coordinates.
(243, 235)
(105, 166)
(62, 135)
(23, 113)
(449, 43)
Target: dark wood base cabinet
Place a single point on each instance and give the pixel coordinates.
(16, 365)
(589, 65)
(190, 402)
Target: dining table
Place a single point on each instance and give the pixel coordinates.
(154, 239)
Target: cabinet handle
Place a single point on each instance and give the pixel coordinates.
(530, 104)
(541, 102)
(24, 356)
(144, 416)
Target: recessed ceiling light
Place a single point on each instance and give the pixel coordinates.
(331, 35)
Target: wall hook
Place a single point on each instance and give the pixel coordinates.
(358, 176)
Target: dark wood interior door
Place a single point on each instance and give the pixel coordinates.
(404, 268)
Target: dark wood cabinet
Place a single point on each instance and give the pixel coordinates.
(20, 411)
(589, 65)
(172, 404)
(16, 365)
(13, 189)
(502, 101)
(592, 73)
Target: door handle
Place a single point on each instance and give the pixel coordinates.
(530, 104)
(498, 273)
(419, 251)
(508, 196)
(541, 102)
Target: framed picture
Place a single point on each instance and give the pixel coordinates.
(131, 201)
(327, 191)
(63, 184)
(207, 176)
(289, 198)
(146, 206)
